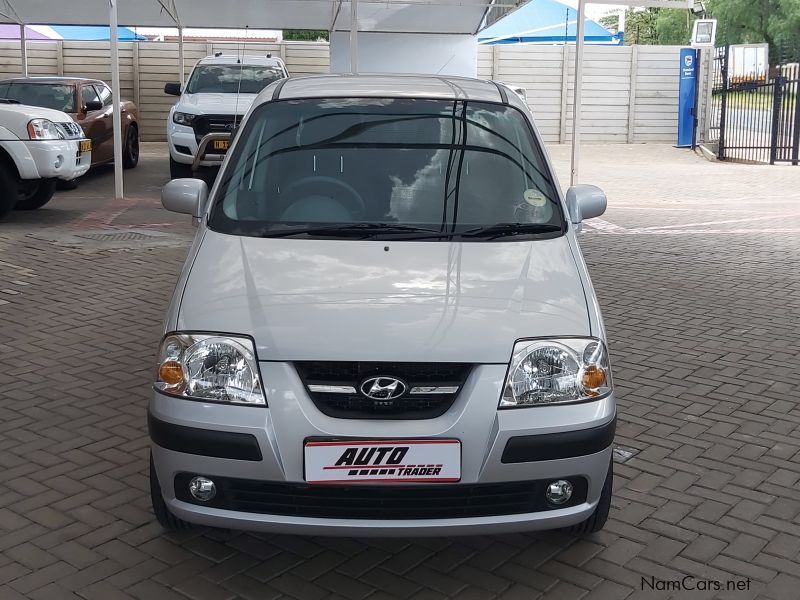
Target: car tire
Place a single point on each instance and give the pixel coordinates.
(600, 515)
(38, 195)
(9, 189)
(179, 170)
(165, 518)
(130, 152)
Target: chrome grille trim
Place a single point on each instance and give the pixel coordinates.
(70, 130)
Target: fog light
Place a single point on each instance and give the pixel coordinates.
(58, 162)
(558, 492)
(202, 489)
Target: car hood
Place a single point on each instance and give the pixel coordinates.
(384, 301)
(216, 104)
(23, 113)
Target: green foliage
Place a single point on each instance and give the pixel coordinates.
(305, 35)
(654, 26)
(776, 22)
(640, 27)
(674, 26)
(610, 22)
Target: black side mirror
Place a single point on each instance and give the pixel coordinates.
(173, 88)
(93, 105)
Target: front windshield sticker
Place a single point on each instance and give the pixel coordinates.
(534, 197)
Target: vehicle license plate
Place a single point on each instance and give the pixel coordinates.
(221, 144)
(85, 146)
(385, 461)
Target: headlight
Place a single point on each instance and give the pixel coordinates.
(220, 368)
(182, 118)
(43, 129)
(558, 370)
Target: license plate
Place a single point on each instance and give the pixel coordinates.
(85, 146)
(221, 144)
(386, 461)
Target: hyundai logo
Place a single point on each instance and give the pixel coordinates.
(383, 388)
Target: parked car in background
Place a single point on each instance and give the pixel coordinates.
(218, 92)
(88, 102)
(38, 146)
(385, 325)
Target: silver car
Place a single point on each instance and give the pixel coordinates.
(385, 325)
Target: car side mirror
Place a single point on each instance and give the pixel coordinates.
(173, 88)
(92, 105)
(186, 196)
(585, 202)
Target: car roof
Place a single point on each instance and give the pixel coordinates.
(50, 79)
(247, 59)
(389, 86)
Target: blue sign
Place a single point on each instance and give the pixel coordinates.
(687, 96)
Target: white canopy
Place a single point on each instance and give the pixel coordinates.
(396, 16)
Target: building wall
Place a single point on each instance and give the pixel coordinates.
(630, 93)
(444, 54)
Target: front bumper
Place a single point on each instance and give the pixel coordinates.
(60, 159)
(183, 147)
(497, 446)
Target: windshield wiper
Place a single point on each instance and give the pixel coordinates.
(357, 229)
(506, 229)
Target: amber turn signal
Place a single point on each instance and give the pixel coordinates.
(171, 372)
(593, 378)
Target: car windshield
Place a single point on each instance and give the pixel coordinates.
(225, 78)
(47, 95)
(389, 168)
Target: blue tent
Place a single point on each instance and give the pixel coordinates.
(94, 33)
(543, 22)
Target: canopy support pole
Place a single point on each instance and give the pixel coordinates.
(180, 55)
(576, 104)
(116, 102)
(354, 36)
(23, 43)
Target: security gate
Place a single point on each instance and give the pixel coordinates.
(755, 118)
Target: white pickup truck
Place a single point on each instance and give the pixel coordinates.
(218, 93)
(37, 147)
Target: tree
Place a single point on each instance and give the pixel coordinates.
(674, 26)
(776, 22)
(305, 35)
(640, 26)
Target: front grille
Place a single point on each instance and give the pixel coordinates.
(205, 124)
(70, 130)
(442, 501)
(359, 406)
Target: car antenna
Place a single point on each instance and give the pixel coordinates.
(239, 86)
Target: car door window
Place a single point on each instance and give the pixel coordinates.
(88, 94)
(105, 94)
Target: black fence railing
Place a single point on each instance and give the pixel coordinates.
(755, 120)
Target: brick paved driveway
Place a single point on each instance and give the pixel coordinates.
(696, 267)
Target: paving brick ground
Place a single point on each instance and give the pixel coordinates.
(696, 267)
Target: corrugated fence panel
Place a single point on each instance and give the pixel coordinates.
(656, 110)
(538, 69)
(607, 85)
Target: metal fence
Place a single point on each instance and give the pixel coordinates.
(755, 120)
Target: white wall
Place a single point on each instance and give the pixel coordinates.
(406, 53)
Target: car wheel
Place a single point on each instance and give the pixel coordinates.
(179, 170)
(600, 515)
(9, 189)
(165, 518)
(36, 195)
(130, 153)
